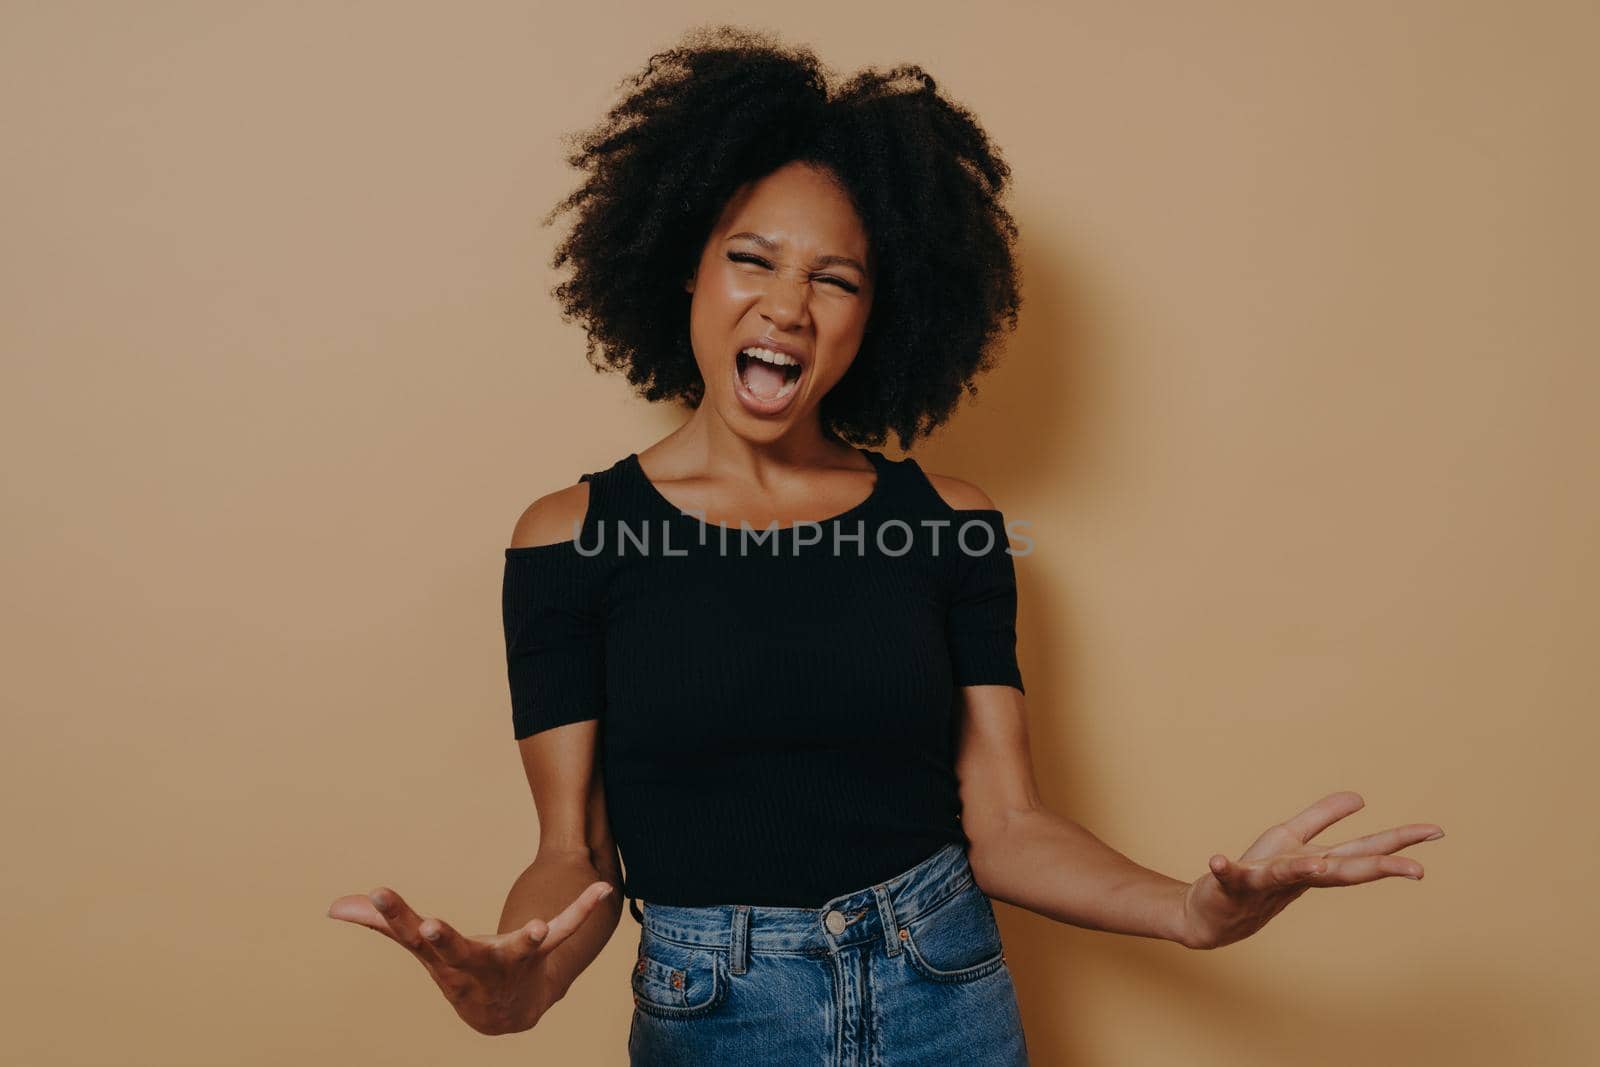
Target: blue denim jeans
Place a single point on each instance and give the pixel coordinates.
(908, 971)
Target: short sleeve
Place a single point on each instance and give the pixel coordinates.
(552, 608)
(983, 601)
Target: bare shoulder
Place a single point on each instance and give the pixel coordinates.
(552, 518)
(959, 494)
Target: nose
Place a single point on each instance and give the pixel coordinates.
(787, 303)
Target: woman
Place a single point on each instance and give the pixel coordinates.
(773, 670)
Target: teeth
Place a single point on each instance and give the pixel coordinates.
(767, 355)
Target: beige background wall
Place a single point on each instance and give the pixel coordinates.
(1301, 409)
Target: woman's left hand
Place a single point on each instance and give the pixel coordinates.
(1235, 899)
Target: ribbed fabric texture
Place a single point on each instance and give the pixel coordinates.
(777, 709)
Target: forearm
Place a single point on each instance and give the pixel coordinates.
(552, 881)
(1048, 864)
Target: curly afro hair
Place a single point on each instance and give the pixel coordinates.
(728, 106)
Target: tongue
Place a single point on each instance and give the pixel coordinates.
(762, 379)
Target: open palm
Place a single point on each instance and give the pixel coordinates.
(1237, 898)
(497, 983)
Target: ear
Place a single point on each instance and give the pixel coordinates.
(688, 284)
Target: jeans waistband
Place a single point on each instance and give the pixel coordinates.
(860, 916)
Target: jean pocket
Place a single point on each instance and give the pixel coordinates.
(678, 981)
(958, 940)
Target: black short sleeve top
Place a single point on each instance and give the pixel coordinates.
(777, 706)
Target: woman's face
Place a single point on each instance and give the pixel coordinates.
(786, 264)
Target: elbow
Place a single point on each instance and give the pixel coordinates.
(607, 865)
(989, 837)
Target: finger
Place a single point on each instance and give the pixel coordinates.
(451, 946)
(1354, 870)
(357, 908)
(523, 944)
(532, 941)
(535, 935)
(1386, 841)
(1323, 814)
(1236, 877)
(1266, 877)
(401, 921)
(565, 922)
(1298, 871)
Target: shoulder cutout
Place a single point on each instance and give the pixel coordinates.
(958, 494)
(552, 518)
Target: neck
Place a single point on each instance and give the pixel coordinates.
(710, 443)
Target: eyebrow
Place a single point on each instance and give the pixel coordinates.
(822, 261)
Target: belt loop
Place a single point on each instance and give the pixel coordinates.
(891, 925)
(739, 954)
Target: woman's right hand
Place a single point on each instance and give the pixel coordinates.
(498, 983)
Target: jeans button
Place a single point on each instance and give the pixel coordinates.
(834, 921)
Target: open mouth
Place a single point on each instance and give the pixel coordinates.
(770, 377)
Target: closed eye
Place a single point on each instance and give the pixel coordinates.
(745, 257)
